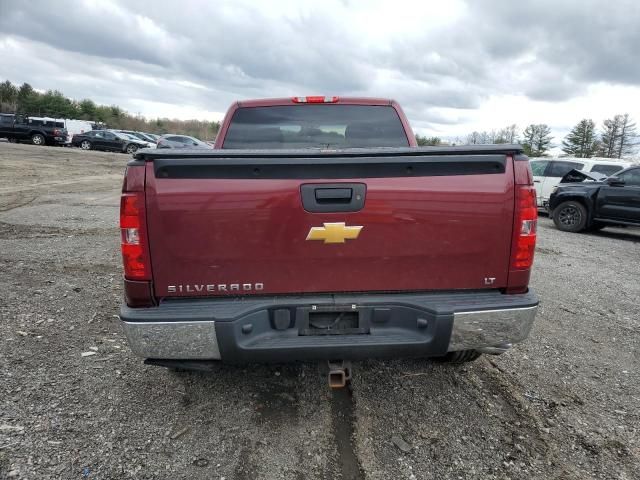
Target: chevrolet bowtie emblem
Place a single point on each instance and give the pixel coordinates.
(334, 233)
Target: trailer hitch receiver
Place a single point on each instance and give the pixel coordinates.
(339, 373)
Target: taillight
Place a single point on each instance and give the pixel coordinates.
(526, 219)
(135, 253)
(315, 99)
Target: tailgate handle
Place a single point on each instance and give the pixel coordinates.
(336, 195)
(333, 197)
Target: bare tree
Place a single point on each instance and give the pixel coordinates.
(627, 136)
(610, 134)
(473, 138)
(508, 134)
(619, 136)
(484, 138)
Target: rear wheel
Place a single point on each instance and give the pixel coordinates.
(131, 148)
(462, 356)
(570, 216)
(37, 139)
(85, 145)
(13, 140)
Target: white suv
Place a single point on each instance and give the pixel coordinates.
(547, 172)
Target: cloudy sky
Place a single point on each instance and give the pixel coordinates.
(455, 66)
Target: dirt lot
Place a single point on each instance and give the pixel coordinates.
(565, 404)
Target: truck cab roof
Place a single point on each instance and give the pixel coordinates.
(268, 102)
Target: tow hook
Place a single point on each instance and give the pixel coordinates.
(339, 373)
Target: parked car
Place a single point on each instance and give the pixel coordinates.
(37, 131)
(108, 140)
(141, 135)
(587, 201)
(328, 254)
(149, 137)
(181, 141)
(547, 172)
(146, 143)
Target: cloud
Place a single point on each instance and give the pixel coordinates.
(444, 61)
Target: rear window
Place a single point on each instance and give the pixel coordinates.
(177, 139)
(538, 167)
(606, 169)
(560, 169)
(319, 126)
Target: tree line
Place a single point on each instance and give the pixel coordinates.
(25, 100)
(617, 137)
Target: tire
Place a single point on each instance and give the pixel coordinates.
(462, 356)
(37, 139)
(12, 140)
(131, 149)
(570, 216)
(85, 145)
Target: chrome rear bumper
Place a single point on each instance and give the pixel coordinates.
(491, 328)
(183, 340)
(215, 330)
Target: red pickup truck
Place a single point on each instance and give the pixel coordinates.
(317, 230)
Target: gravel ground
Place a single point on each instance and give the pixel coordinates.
(75, 403)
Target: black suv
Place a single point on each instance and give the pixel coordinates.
(578, 205)
(19, 129)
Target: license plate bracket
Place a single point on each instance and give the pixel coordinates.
(333, 320)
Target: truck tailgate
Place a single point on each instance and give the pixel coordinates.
(229, 224)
